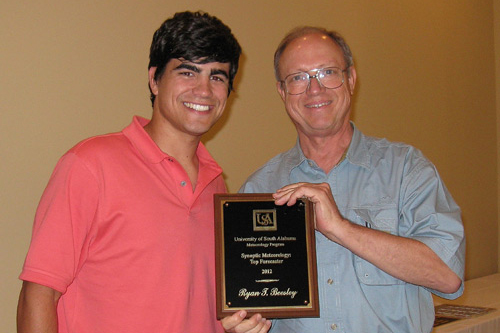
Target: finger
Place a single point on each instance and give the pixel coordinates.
(282, 196)
(266, 326)
(251, 325)
(300, 192)
(313, 192)
(256, 324)
(292, 195)
(229, 323)
(288, 187)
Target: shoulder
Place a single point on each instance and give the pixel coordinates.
(273, 174)
(100, 144)
(93, 154)
(106, 148)
(381, 150)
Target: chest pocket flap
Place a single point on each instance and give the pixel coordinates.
(381, 219)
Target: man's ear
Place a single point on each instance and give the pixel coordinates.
(281, 90)
(153, 85)
(351, 79)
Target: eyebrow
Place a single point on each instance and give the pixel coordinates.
(219, 72)
(196, 69)
(188, 67)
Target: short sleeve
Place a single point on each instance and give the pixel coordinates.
(60, 233)
(429, 214)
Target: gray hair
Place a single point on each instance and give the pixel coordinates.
(306, 30)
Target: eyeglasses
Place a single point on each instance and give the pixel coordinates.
(329, 77)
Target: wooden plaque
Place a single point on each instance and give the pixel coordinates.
(265, 257)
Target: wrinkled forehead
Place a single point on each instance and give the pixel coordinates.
(311, 51)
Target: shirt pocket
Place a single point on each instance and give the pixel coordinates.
(383, 219)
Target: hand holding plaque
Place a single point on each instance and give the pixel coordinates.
(265, 257)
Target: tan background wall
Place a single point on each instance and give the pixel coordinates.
(497, 81)
(71, 69)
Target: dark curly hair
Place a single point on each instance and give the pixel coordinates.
(197, 37)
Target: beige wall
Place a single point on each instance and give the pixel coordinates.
(497, 81)
(72, 69)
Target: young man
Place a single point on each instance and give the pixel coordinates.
(388, 232)
(123, 236)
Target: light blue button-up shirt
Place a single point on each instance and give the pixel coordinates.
(386, 186)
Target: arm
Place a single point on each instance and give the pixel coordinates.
(238, 324)
(36, 311)
(404, 258)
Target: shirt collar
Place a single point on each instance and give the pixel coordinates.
(149, 149)
(357, 152)
(142, 142)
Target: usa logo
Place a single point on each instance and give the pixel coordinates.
(264, 220)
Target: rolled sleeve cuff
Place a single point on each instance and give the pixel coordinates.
(454, 260)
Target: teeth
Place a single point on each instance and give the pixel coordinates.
(318, 105)
(197, 107)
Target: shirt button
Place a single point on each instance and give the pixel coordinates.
(183, 183)
(333, 327)
(329, 281)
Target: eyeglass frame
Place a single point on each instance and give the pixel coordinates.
(315, 76)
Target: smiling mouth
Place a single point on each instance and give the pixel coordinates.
(197, 107)
(315, 106)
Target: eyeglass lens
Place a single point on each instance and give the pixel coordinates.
(297, 83)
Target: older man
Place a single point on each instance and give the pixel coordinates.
(388, 232)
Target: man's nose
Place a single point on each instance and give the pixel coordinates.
(315, 85)
(203, 86)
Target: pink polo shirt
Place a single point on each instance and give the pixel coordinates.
(121, 234)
